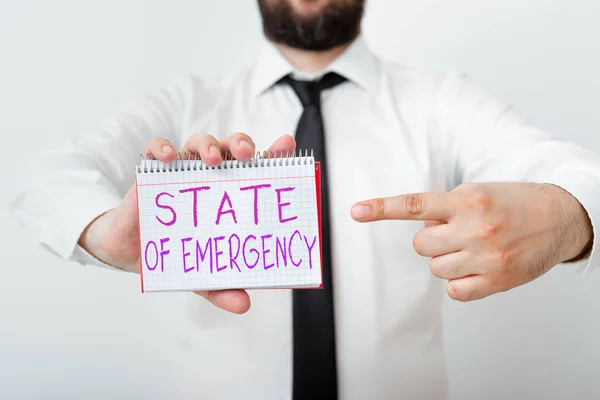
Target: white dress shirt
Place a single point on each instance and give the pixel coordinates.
(389, 130)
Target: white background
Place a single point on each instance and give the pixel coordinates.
(71, 332)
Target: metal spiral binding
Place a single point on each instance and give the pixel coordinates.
(192, 162)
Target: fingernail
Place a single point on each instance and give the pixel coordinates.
(360, 211)
(245, 144)
(166, 149)
(214, 150)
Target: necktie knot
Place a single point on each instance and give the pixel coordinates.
(309, 92)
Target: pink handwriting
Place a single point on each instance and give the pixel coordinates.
(256, 188)
(216, 254)
(231, 252)
(280, 205)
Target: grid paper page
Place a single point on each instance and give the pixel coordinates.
(237, 227)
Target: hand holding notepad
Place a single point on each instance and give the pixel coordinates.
(114, 237)
(240, 225)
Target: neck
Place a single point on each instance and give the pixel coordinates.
(310, 61)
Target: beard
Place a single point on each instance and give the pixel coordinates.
(334, 25)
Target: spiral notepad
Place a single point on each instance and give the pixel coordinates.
(240, 225)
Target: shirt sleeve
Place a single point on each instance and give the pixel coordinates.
(65, 188)
(492, 142)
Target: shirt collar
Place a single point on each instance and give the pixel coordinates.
(357, 64)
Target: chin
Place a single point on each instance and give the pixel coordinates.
(311, 24)
(311, 7)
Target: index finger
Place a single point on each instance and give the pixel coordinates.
(414, 206)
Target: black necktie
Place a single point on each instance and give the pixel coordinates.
(315, 372)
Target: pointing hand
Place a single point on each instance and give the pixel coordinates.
(489, 238)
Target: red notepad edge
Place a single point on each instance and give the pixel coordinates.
(139, 232)
(318, 187)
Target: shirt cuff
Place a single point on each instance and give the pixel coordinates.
(81, 256)
(587, 191)
(78, 214)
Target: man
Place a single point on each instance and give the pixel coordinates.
(415, 142)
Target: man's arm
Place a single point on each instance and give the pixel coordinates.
(493, 143)
(80, 201)
(520, 202)
(67, 187)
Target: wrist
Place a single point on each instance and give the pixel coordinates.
(93, 238)
(579, 235)
(585, 253)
